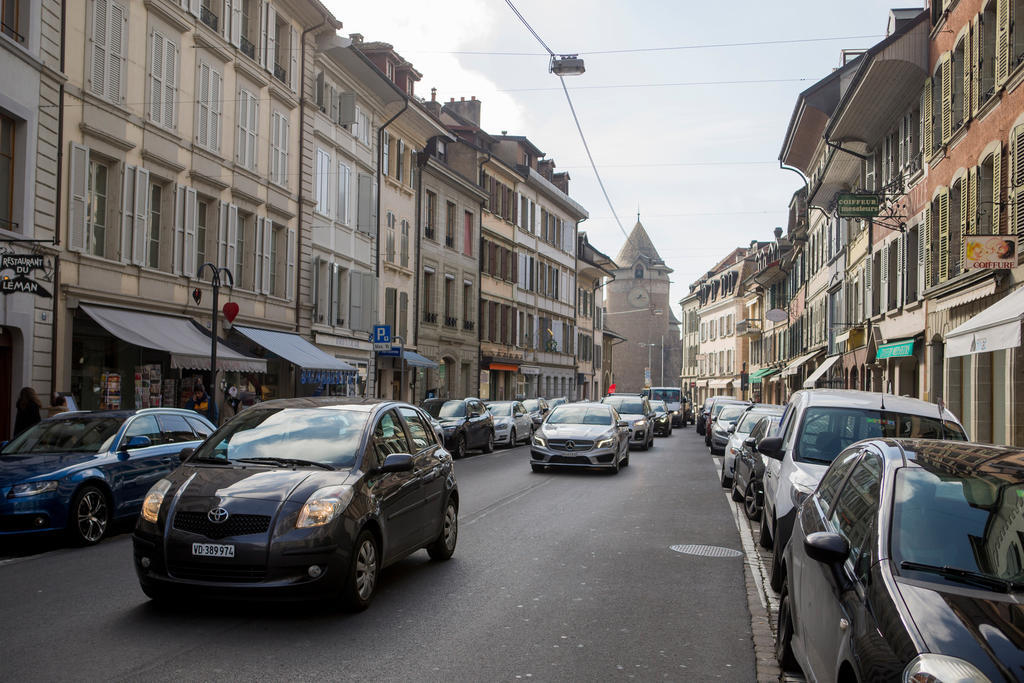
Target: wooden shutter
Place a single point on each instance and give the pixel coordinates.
(222, 234)
(141, 232)
(926, 116)
(271, 39)
(268, 240)
(293, 55)
(403, 316)
(883, 280)
(118, 37)
(1016, 172)
(346, 108)
(127, 213)
(188, 257)
(156, 75)
(966, 204)
(947, 97)
(193, 7)
(231, 252)
(975, 64)
(78, 188)
(997, 188)
(203, 108)
(369, 301)
(235, 34)
(290, 265)
(968, 70)
(366, 210)
(243, 120)
(1002, 42)
(179, 229)
(100, 38)
(355, 301)
(264, 33)
(925, 247)
(943, 235)
(216, 83)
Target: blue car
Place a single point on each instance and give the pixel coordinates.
(80, 471)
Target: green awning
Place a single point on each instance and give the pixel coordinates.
(897, 349)
(757, 375)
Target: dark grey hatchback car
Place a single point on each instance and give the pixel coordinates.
(300, 498)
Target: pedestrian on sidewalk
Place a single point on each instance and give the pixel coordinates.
(28, 406)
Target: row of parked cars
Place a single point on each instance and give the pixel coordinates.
(897, 546)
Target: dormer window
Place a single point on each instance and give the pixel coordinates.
(390, 70)
(638, 272)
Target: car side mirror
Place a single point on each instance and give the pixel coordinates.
(830, 549)
(397, 462)
(749, 442)
(186, 453)
(137, 442)
(771, 446)
(732, 429)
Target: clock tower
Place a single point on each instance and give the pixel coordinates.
(639, 309)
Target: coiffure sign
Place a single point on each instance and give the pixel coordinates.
(990, 252)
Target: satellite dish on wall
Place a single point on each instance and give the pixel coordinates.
(776, 315)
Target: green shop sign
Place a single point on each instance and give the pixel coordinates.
(859, 205)
(899, 349)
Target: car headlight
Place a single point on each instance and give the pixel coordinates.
(539, 440)
(32, 488)
(640, 423)
(675, 412)
(798, 493)
(154, 499)
(606, 443)
(932, 668)
(324, 506)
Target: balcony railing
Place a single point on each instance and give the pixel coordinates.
(429, 317)
(449, 241)
(430, 233)
(451, 322)
(248, 49)
(209, 18)
(280, 73)
(468, 325)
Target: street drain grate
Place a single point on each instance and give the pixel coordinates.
(706, 550)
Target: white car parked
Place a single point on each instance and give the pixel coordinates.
(816, 425)
(512, 422)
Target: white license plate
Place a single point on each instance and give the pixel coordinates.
(213, 550)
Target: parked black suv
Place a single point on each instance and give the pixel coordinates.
(466, 423)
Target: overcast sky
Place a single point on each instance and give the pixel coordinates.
(689, 136)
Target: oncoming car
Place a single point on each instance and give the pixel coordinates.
(581, 435)
(300, 498)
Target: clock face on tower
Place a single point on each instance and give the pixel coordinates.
(639, 298)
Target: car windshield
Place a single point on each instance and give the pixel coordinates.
(666, 395)
(452, 409)
(720, 406)
(500, 409)
(827, 431)
(659, 406)
(748, 422)
(531, 404)
(627, 406)
(325, 436)
(730, 413)
(958, 520)
(86, 434)
(580, 415)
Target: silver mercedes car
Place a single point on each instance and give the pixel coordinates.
(581, 435)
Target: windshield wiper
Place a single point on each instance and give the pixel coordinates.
(213, 458)
(965, 576)
(285, 462)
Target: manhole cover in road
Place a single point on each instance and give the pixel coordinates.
(706, 550)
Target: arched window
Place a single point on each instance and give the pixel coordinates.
(638, 272)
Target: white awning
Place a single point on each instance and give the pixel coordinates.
(820, 371)
(965, 297)
(293, 349)
(719, 383)
(189, 347)
(792, 368)
(995, 328)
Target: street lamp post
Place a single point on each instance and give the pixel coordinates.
(215, 281)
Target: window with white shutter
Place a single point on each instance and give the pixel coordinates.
(208, 109)
(107, 50)
(248, 129)
(279, 149)
(344, 180)
(322, 182)
(163, 75)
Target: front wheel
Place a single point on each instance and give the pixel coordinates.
(784, 640)
(444, 546)
(736, 495)
(90, 516)
(361, 581)
(489, 446)
(726, 481)
(459, 451)
(512, 438)
(765, 537)
(777, 575)
(750, 505)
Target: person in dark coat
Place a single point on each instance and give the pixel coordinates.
(28, 410)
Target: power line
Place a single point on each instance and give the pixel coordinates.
(667, 85)
(703, 46)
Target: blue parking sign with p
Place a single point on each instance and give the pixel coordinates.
(382, 334)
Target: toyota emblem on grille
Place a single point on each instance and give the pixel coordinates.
(217, 515)
(570, 445)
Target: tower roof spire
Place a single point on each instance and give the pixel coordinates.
(638, 246)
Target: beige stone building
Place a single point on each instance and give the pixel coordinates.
(593, 270)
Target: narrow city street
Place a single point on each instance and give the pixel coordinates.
(557, 576)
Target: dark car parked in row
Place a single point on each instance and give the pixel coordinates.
(80, 471)
(906, 564)
(466, 423)
(537, 408)
(748, 477)
(300, 498)
(712, 408)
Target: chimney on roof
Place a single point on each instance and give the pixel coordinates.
(546, 167)
(433, 106)
(469, 110)
(778, 233)
(561, 181)
(356, 38)
(433, 94)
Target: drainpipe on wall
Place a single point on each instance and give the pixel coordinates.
(380, 181)
(479, 282)
(55, 313)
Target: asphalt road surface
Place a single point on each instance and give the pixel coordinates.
(557, 576)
